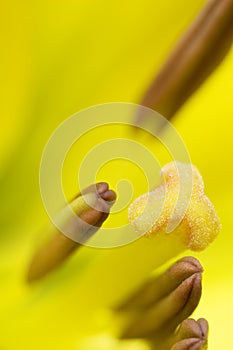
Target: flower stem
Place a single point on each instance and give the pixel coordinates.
(196, 55)
(171, 305)
(92, 209)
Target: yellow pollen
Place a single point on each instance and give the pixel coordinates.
(177, 206)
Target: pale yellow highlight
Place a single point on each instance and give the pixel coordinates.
(198, 223)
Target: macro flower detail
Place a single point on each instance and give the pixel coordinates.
(156, 315)
(197, 54)
(175, 58)
(163, 302)
(197, 222)
(91, 209)
(156, 308)
(192, 335)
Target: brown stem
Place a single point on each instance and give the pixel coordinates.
(200, 50)
(177, 300)
(90, 218)
(158, 287)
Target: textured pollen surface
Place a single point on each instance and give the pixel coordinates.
(178, 206)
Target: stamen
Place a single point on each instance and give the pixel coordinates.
(159, 287)
(162, 313)
(192, 335)
(92, 207)
(201, 49)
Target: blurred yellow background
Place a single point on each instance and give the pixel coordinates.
(56, 59)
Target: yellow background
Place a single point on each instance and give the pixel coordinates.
(59, 57)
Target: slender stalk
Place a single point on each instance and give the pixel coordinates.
(170, 306)
(157, 313)
(92, 208)
(201, 49)
(160, 286)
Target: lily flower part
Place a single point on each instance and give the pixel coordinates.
(160, 286)
(156, 315)
(46, 316)
(197, 54)
(92, 208)
(152, 212)
(198, 227)
(192, 335)
(165, 301)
